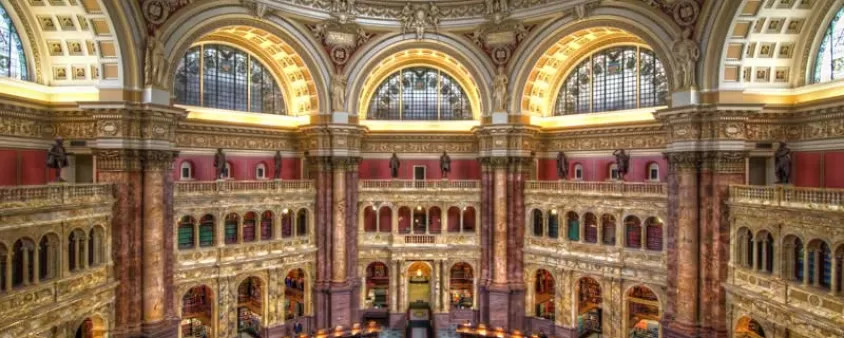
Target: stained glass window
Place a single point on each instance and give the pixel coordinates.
(12, 58)
(829, 64)
(617, 78)
(419, 93)
(223, 77)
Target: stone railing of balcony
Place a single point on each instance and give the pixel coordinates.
(787, 196)
(599, 188)
(416, 185)
(234, 253)
(417, 240)
(776, 289)
(46, 297)
(54, 195)
(205, 188)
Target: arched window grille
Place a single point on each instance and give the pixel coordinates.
(12, 58)
(617, 78)
(223, 77)
(419, 93)
(829, 63)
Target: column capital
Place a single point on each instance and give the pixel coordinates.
(134, 159)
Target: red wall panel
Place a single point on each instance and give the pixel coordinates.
(243, 167)
(379, 169)
(807, 167)
(24, 167)
(597, 168)
(833, 163)
(8, 167)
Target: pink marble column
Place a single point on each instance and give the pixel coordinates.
(516, 256)
(499, 290)
(338, 226)
(485, 229)
(681, 315)
(322, 215)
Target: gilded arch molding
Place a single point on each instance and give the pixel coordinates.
(627, 24)
(454, 55)
(304, 68)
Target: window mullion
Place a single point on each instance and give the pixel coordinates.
(249, 83)
(202, 75)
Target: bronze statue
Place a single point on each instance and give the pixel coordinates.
(782, 160)
(394, 166)
(220, 163)
(277, 159)
(622, 160)
(57, 158)
(445, 165)
(562, 166)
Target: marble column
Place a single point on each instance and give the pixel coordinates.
(322, 174)
(485, 229)
(352, 214)
(338, 226)
(681, 315)
(499, 290)
(516, 233)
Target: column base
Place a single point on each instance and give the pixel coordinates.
(398, 320)
(679, 330)
(340, 300)
(162, 329)
(517, 307)
(565, 332)
(499, 306)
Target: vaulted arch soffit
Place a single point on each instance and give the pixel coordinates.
(453, 55)
(767, 44)
(52, 31)
(302, 68)
(540, 65)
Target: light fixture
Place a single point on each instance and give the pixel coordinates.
(418, 207)
(553, 211)
(419, 272)
(285, 211)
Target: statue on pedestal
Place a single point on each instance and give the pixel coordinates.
(277, 160)
(57, 158)
(445, 164)
(622, 160)
(562, 166)
(394, 166)
(782, 160)
(220, 163)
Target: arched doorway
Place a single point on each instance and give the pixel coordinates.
(461, 286)
(589, 302)
(250, 307)
(198, 313)
(545, 291)
(92, 327)
(294, 294)
(749, 328)
(418, 284)
(643, 313)
(377, 286)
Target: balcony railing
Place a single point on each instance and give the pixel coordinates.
(220, 186)
(615, 188)
(54, 194)
(788, 196)
(420, 184)
(442, 239)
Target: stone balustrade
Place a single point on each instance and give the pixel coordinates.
(599, 188)
(240, 187)
(54, 195)
(788, 196)
(417, 240)
(430, 185)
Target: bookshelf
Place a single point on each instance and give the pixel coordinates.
(654, 240)
(461, 283)
(377, 286)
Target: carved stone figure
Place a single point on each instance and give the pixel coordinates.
(220, 163)
(500, 94)
(418, 19)
(394, 166)
(622, 160)
(277, 159)
(496, 6)
(562, 166)
(445, 164)
(155, 63)
(686, 54)
(57, 158)
(782, 160)
(338, 92)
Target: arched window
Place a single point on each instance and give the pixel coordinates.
(468, 219)
(248, 228)
(538, 227)
(261, 171)
(765, 252)
(223, 77)
(12, 58)
(553, 224)
(23, 262)
(462, 286)
(95, 246)
(48, 257)
(187, 170)
(653, 172)
(745, 248)
(4, 264)
(206, 231)
(613, 172)
(608, 229)
(829, 63)
(227, 173)
(286, 223)
(75, 246)
(419, 93)
(377, 286)
(616, 78)
(230, 228)
(573, 224)
(302, 223)
(267, 225)
(653, 234)
(186, 233)
(633, 229)
(578, 172)
(545, 289)
(590, 229)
